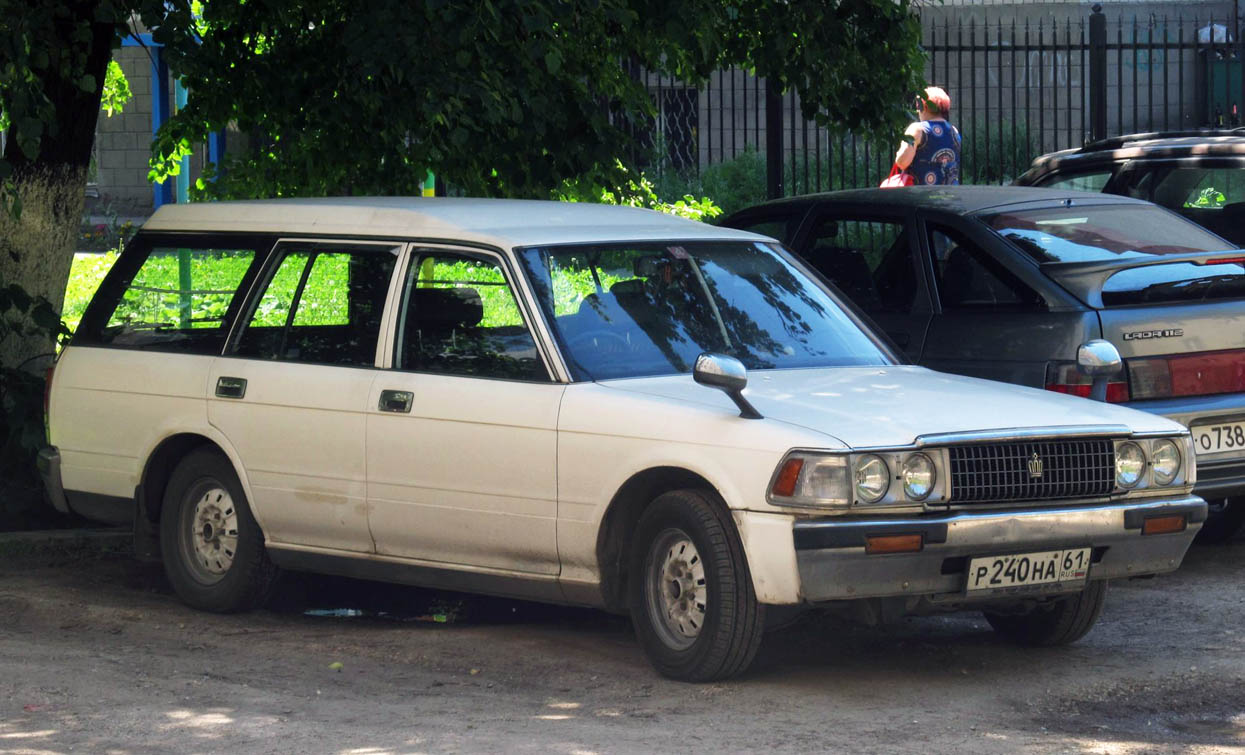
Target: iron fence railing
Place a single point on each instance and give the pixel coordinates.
(1020, 88)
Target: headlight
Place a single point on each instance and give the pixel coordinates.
(811, 480)
(1165, 462)
(873, 478)
(1130, 464)
(918, 477)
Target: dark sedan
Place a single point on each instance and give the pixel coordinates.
(1198, 174)
(1006, 283)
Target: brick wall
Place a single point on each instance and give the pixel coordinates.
(123, 142)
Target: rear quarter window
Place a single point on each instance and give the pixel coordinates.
(175, 294)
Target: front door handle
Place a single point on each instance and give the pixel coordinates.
(398, 402)
(230, 387)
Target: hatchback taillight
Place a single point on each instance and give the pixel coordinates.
(1202, 374)
(1065, 378)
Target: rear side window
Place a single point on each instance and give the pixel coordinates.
(781, 227)
(320, 304)
(1188, 188)
(172, 294)
(970, 280)
(871, 262)
(1079, 182)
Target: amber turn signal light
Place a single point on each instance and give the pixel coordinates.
(1163, 525)
(893, 544)
(784, 485)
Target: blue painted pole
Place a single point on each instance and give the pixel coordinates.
(162, 193)
(183, 175)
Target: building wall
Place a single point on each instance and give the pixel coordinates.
(123, 143)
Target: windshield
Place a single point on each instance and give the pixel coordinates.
(1121, 232)
(1102, 232)
(631, 310)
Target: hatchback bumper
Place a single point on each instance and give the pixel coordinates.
(833, 564)
(49, 463)
(1216, 477)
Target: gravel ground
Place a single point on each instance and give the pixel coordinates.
(97, 655)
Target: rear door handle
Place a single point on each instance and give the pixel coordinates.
(398, 402)
(230, 387)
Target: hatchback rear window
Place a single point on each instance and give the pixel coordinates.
(1102, 232)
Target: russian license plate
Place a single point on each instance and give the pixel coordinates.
(1069, 566)
(1213, 439)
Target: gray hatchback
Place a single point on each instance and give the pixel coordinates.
(1007, 283)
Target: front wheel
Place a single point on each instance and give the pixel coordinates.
(212, 547)
(692, 602)
(1060, 622)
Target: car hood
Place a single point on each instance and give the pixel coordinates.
(892, 406)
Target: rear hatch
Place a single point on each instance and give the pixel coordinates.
(1169, 294)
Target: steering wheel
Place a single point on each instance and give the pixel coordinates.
(601, 340)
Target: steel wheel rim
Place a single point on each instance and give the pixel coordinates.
(676, 588)
(209, 532)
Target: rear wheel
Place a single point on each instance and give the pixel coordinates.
(691, 595)
(1060, 622)
(1225, 518)
(212, 547)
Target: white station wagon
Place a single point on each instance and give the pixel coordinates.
(583, 404)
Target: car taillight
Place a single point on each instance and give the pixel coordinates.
(47, 392)
(1202, 374)
(1065, 378)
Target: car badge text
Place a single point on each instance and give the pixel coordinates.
(1141, 335)
(1035, 466)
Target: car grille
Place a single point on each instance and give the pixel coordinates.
(993, 472)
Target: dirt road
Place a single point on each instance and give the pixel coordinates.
(96, 655)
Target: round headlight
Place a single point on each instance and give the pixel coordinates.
(918, 477)
(872, 478)
(1166, 462)
(1130, 464)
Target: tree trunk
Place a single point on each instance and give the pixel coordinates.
(36, 248)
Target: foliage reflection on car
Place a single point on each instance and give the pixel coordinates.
(651, 309)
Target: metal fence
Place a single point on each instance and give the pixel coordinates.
(1020, 88)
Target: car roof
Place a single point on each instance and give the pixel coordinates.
(1157, 144)
(960, 200)
(501, 223)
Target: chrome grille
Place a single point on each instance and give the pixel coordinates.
(1032, 470)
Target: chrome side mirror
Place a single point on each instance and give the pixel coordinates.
(728, 375)
(1100, 360)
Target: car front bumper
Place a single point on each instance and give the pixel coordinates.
(833, 563)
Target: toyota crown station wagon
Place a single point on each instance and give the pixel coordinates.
(583, 404)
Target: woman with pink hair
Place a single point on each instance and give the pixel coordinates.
(930, 150)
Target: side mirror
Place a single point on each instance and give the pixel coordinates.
(728, 375)
(1100, 360)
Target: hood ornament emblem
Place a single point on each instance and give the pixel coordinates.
(1035, 466)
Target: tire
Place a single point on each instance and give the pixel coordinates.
(212, 548)
(1062, 622)
(1226, 518)
(685, 551)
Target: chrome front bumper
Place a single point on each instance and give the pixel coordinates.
(49, 463)
(833, 564)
